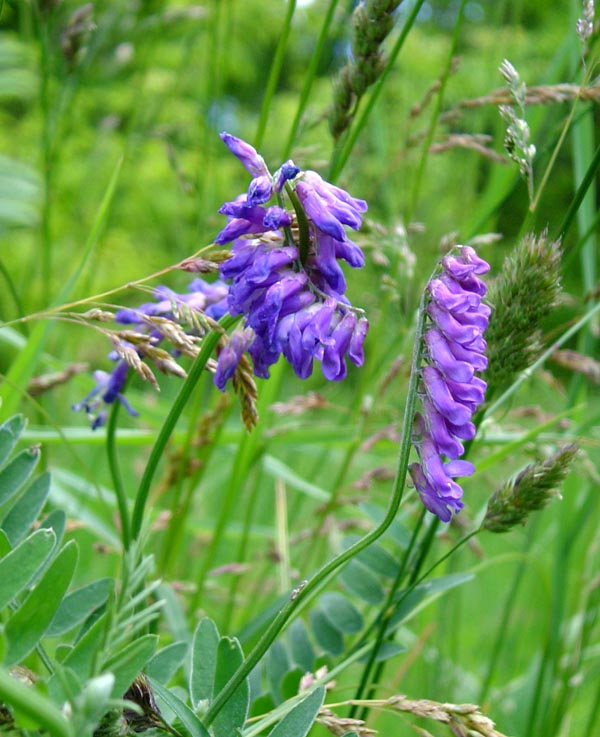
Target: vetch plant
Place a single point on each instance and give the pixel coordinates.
(316, 566)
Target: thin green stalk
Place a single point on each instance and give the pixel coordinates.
(208, 345)
(115, 472)
(590, 727)
(319, 579)
(10, 285)
(502, 628)
(309, 77)
(435, 115)
(180, 508)
(586, 182)
(412, 583)
(342, 153)
(274, 73)
(256, 442)
(384, 617)
(228, 499)
(549, 664)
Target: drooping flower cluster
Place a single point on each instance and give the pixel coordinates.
(210, 299)
(284, 272)
(454, 349)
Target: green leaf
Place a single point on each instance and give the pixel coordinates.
(187, 717)
(376, 559)
(20, 566)
(82, 658)
(360, 581)
(5, 546)
(10, 431)
(341, 613)
(278, 469)
(300, 719)
(75, 607)
(328, 637)
(425, 593)
(300, 645)
(278, 664)
(290, 685)
(233, 715)
(128, 662)
(387, 650)
(23, 514)
(30, 622)
(396, 531)
(16, 473)
(163, 666)
(57, 522)
(204, 661)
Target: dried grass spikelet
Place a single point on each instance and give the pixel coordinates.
(463, 720)
(245, 387)
(209, 264)
(175, 335)
(98, 315)
(131, 356)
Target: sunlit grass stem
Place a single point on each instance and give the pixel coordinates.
(208, 345)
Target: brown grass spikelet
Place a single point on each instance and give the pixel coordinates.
(245, 387)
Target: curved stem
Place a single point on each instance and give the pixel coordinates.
(208, 345)
(115, 472)
(381, 621)
(321, 577)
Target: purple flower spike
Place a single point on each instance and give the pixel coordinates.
(454, 350)
(291, 305)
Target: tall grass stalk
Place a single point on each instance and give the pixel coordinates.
(346, 144)
(274, 73)
(437, 109)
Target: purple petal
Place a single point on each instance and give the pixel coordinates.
(439, 394)
(246, 153)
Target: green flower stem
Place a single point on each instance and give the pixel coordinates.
(274, 73)
(382, 620)
(341, 155)
(208, 345)
(325, 572)
(115, 472)
(304, 233)
(310, 76)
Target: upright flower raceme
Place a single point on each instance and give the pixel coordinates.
(454, 349)
(285, 278)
